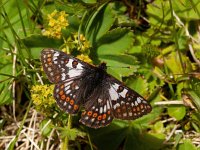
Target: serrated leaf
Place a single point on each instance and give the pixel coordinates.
(72, 133)
(138, 84)
(123, 65)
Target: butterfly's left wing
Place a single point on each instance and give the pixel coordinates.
(126, 103)
(60, 67)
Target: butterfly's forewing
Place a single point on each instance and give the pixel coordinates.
(66, 72)
(67, 95)
(98, 110)
(126, 103)
(59, 66)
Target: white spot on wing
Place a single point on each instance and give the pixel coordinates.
(101, 110)
(100, 100)
(139, 100)
(92, 120)
(63, 76)
(113, 94)
(67, 87)
(123, 93)
(74, 72)
(116, 105)
(56, 54)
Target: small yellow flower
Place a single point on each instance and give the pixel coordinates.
(56, 22)
(82, 43)
(42, 96)
(84, 58)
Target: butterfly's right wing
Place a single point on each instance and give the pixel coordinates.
(127, 104)
(61, 67)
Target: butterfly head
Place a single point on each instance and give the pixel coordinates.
(102, 66)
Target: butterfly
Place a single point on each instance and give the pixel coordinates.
(79, 84)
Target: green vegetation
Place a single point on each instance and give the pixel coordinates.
(152, 46)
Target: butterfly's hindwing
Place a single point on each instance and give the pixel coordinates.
(60, 67)
(126, 103)
(98, 111)
(67, 96)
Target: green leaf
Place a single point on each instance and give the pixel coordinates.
(177, 112)
(158, 127)
(5, 84)
(122, 65)
(195, 99)
(46, 127)
(72, 133)
(187, 145)
(99, 23)
(138, 84)
(89, 1)
(174, 64)
(116, 41)
(41, 41)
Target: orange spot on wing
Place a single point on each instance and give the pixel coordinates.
(138, 108)
(61, 92)
(49, 60)
(62, 86)
(67, 99)
(141, 106)
(75, 107)
(89, 113)
(134, 109)
(62, 97)
(72, 102)
(49, 63)
(108, 112)
(95, 115)
(118, 110)
(57, 77)
(49, 55)
(99, 117)
(104, 116)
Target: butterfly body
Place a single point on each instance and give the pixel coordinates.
(80, 84)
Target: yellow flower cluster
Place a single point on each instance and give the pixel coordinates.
(84, 58)
(57, 22)
(82, 43)
(42, 96)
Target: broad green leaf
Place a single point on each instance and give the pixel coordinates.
(116, 41)
(174, 64)
(41, 41)
(188, 10)
(177, 112)
(46, 127)
(158, 127)
(187, 145)
(138, 84)
(123, 65)
(99, 23)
